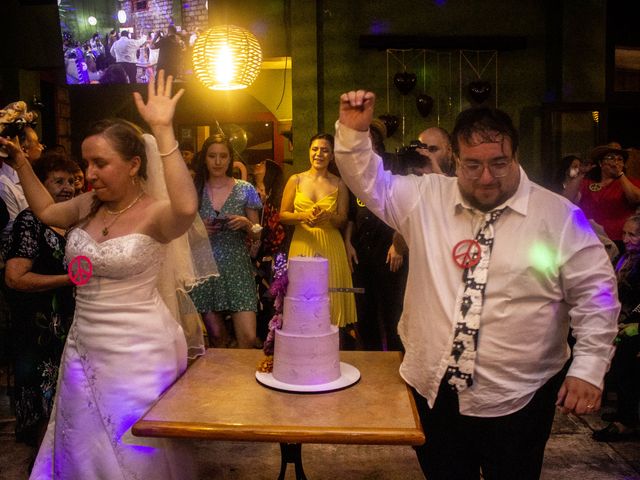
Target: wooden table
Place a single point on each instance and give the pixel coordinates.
(219, 398)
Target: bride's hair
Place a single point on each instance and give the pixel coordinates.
(126, 139)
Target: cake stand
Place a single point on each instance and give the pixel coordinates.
(349, 375)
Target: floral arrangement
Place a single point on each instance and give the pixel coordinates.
(278, 289)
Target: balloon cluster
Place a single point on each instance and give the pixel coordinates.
(405, 82)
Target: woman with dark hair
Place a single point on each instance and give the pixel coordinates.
(568, 168)
(229, 208)
(40, 298)
(612, 197)
(317, 202)
(125, 346)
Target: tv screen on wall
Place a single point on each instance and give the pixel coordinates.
(125, 41)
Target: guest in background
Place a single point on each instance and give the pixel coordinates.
(114, 73)
(40, 297)
(229, 209)
(376, 265)
(317, 202)
(267, 177)
(612, 197)
(568, 168)
(125, 51)
(78, 179)
(436, 146)
(171, 51)
(625, 367)
(188, 153)
(17, 121)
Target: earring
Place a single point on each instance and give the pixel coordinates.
(134, 180)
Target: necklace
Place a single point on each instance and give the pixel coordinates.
(105, 230)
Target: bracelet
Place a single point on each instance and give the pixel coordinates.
(620, 176)
(170, 151)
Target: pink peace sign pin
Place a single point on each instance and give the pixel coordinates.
(80, 270)
(466, 253)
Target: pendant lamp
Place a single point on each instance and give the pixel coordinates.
(227, 57)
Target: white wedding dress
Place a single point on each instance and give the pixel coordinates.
(123, 350)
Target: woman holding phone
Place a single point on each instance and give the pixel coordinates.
(229, 208)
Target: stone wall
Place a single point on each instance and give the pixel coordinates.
(162, 13)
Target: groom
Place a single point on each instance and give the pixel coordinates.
(485, 356)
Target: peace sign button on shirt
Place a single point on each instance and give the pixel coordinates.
(466, 253)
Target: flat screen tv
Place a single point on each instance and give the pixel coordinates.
(91, 27)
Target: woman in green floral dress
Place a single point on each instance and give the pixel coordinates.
(40, 297)
(229, 209)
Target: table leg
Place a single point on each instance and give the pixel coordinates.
(291, 453)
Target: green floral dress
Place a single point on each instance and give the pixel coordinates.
(39, 324)
(235, 289)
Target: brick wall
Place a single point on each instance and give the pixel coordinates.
(161, 13)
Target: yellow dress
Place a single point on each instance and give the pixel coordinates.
(325, 240)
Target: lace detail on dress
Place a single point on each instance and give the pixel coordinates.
(118, 257)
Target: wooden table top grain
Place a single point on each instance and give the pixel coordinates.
(219, 398)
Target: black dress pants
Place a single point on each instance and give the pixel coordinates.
(505, 448)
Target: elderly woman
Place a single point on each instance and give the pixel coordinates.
(609, 198)
(17, 121)
(625, 366)
(41, 302)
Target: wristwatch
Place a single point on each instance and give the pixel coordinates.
(256, 228)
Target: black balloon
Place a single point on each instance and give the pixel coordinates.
(404, 81)
(479, 90)
(391, 122)
(424, 103)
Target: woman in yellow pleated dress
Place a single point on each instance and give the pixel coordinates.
(316, 202)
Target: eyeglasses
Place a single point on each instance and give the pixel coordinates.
(474, 170)
(613, 157)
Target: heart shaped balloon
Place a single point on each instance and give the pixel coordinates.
(391, 122)
(404, 81)
(424, 103)
(479, 90)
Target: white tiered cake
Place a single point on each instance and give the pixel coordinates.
(307, 348)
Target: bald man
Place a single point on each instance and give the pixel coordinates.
(437, 150)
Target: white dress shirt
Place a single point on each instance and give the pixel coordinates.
(13, 196)
(124, 49)
(546, 266)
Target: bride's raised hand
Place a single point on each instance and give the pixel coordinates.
(161, 105)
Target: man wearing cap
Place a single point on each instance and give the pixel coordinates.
(499, 269)
(612, 197)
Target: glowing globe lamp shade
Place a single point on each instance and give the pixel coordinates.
(92, 21)
(227, 57)
(122, 16)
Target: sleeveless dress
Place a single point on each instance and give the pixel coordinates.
(123, 350)
(325, 240)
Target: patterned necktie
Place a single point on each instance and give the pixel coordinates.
(459, 372)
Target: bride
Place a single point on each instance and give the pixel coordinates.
(124, 347)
